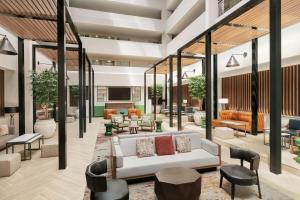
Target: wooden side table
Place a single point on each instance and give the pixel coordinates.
(133, 129)
(177, 184)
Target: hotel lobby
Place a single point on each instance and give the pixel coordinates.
(149, 99)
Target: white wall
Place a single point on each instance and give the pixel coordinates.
(290, 53)
(90, 19)
(122, 49)
(185, 13)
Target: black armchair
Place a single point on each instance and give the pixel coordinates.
(101, 188)
(240, 175)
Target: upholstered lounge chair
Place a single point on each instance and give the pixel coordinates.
(240, 175)
(119, 123)
(101, 188)
(147, 122)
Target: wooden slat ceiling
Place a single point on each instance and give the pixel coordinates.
(70, 56)
(32, 20)
(250, 25)
(163, 68)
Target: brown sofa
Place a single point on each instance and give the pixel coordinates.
(239, 116)
(6, 138)
(109, 112)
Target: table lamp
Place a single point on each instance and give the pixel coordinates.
(223, 101)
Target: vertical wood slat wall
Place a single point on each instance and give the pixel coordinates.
(238, 91)
(1, 93)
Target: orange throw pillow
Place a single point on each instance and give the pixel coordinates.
(164, 145)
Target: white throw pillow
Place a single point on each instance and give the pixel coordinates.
(3, 130)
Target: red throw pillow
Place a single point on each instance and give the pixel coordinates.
(164, 145)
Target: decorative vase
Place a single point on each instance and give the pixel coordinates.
(198, 117)
(45, 127)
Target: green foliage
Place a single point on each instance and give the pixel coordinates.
(44, 87)
(197, 87)
(159, 91)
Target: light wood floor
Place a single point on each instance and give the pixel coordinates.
(40, 179)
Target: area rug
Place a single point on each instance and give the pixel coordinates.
(210, 182)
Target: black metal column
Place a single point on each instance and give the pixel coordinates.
(254, 87)
(215, 85)
(61, 48)
(275, 86)
(154, 91)
(21, 85)
(179, 91)
(33, 97)
(208, 85)
(166, 90)
(80, 78)
(84, 90)
(171, 91)
(93, 91)
(90, 93)
(145, 92)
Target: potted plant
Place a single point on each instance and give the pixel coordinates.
(159, 94)
(197, 91)
(44, 89)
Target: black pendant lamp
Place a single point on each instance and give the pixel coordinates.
(6, 47)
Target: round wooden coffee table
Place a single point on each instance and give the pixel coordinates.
(177, 184)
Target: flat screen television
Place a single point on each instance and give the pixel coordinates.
(119, 94)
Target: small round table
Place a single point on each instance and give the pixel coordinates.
(108, 127)
(133, 129)
(177, 184)
(158, 125)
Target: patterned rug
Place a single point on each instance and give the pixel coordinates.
(210, 183)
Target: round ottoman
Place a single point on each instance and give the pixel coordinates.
(224, 133)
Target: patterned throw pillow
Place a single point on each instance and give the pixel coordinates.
(3, 130)
(183, 144)
(145, 147)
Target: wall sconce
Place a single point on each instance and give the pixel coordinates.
(6, 47)
(233, 61)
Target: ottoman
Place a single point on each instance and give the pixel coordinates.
(9, 163)
(224, 133)
(49, 150)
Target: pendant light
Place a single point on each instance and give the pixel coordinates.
(233, 61)
(6, 47)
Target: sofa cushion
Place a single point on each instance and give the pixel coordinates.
(164, 145)
(145, 147)
(5, 138)
(183, 144)
(134, 166)
(3, 129)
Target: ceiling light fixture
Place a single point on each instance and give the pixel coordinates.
(6, 47)
(233, 61)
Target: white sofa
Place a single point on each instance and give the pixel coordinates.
(126, 164)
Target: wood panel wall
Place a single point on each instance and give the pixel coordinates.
(1, 93)
(185, 95)
(238, 90)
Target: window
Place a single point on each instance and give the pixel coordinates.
(136, 94)
(1, 93)
(74, 96)
(101, 94)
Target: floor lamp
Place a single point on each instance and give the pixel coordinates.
(223, 102)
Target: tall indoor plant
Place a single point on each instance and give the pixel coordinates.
(197, 92)
(44, 89)
(159, 94)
